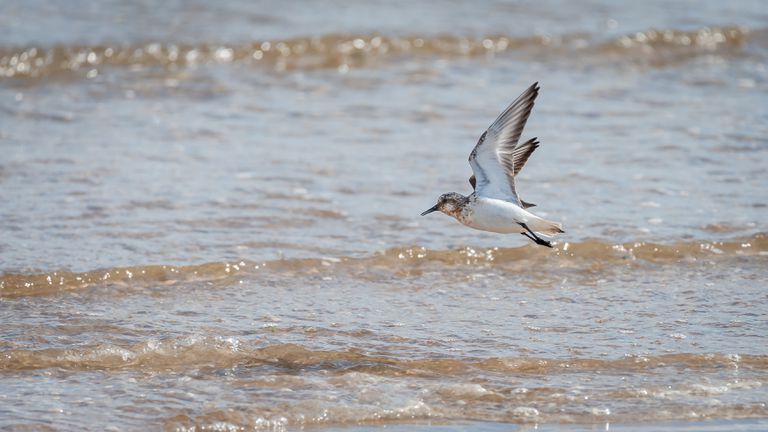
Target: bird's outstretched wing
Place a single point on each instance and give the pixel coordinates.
(520, 157)
(497, 158)
(522, 152)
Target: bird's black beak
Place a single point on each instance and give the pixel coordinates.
(433, 209)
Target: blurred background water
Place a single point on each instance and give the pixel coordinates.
(209, 215)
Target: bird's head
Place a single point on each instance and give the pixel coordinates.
(449, 203)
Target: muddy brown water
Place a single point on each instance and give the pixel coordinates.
(209, 217)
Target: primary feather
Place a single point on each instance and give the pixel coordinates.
(497, 158)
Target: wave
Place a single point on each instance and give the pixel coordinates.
(403, 262)
(196, 352)
(653, 47)
(491, 388)
(389, 388)
(414, 415)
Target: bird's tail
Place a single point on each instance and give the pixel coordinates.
(548, 228)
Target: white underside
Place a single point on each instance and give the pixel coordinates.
(494, 215)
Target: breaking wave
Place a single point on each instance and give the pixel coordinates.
(652, 47)
(402, 262)
(225, 352)
(416, 388)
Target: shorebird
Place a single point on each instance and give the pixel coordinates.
(496, 159)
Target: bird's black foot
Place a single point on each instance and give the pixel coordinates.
(534, 238)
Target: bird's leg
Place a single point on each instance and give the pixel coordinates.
(531, 235)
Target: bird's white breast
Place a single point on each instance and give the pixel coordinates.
(489, 214)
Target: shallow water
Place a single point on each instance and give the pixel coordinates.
(209, 217)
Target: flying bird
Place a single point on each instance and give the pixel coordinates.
(497, 158)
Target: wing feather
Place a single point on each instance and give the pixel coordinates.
(493, 160)
(521, 154)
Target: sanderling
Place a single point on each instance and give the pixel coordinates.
(496, 159)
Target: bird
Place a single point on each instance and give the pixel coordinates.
(497, 158)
